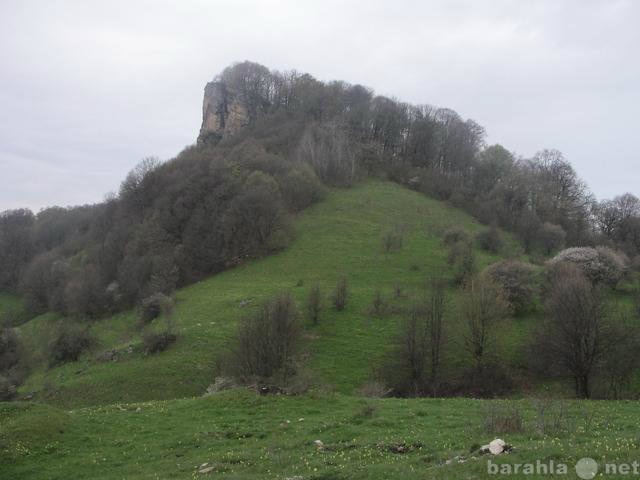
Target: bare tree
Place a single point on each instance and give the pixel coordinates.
(483, 306)
(435, 329)
(576, 336)
(414, 365)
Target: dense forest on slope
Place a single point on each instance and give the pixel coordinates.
(230, 197)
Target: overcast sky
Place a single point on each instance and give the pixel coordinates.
(88, 88)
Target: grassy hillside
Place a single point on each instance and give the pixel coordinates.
(341, 235)
(244, 436)
(11, 310)
(145, 417)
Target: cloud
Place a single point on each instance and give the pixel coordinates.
(88, 88)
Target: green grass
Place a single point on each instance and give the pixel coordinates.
(245, 436)
(341, 235)
(11, 308)
(144, 417)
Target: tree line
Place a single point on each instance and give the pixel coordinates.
(225, 200)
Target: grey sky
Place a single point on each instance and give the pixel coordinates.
(88, 88)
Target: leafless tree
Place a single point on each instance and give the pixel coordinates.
(483, 306)
(576, 336)
(435, 329)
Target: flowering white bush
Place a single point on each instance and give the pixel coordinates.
(600, 264)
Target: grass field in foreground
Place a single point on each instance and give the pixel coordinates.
(245, 436)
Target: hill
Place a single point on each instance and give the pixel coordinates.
(341, 235)
(122, 315)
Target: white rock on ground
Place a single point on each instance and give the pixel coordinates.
(496, 447)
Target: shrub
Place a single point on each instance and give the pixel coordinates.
(300, 187)
(600, 265)
(314, 304)
(463, 259)
(374, 390)
(9, 349)
(516, 280)
(490, 240)
(378, 305)
(68, 344)
(455, 235)
(153, 307)
(487, 381)
(340, 294)
(502, 418)
(155, 342)
(392, 241)
(7, 389)
(267, 342)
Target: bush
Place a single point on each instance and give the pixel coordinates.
(267, 342)
(463, 259)
(340, 294)
(300, 187)
(392, 241)
(154, 342)
(490, 240)
(374, 389)
(378, 306)
(601, 265)
(9, 349)
(487, 381)
(516, 280)
(153, 307)
(502, 418)
(455, 235)
(314, 304)
(7, 389)
(68, 344)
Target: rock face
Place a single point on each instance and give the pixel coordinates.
(223, 113)
(236, 98)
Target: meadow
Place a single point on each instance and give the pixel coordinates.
(145, 416)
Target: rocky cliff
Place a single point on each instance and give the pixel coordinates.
(223, 111)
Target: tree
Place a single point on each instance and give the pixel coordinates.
(482, 308)
(516, 280)
(576, 336)
(413, 366)
(254, 222)
(490, 239)
(328, 150)
(600, 265)
(435, 305)
(551, 237)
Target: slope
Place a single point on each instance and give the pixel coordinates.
(339, 236)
